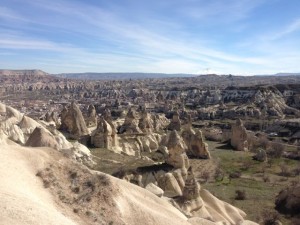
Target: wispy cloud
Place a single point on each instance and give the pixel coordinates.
(285, 31)
(220, 11)
(8, 14)
(111, 37)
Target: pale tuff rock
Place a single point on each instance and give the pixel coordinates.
(107, 116)
(239, 136)
(9, 118)
(81, 153)
(130, 125)
(181, 176)
(52, 118)
(11, 112)
(145, 122)
(135, 144)
(28, 125)
(169, 185)
(2, 108)
(175, 123)
(219, 211)
(160, 122)
(198, 220)
(191, 189)
(42, 138)
(191, 194)
(150, 142)
(73, 122)
(177, 151)
(195, 143)
(15, 133)
(91, 119)
(104, 136)
(154, 189)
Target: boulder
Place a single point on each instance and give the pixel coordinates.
(177, 151)
(154, 189)
(145, 122)
(191, 194)
(160, 122)
(239, 136)
(175, 123)
(169, 185)
(28, 125)
(196, 146)
(73, 122)
(130, 125)
(40, 137)
(104, 137)
(91, 119)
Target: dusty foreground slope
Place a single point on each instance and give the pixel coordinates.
(24, 200)
(42, 186)
(64, 192)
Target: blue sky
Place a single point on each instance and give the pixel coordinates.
(170, 36)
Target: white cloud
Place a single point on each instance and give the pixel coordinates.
(290, 28)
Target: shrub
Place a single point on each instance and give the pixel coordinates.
(276, 150)
(246, 165)
(219, 174)
(266, 178)
(205, 175)
(240, 195)
(263, 142)
(270, 218)
(285, 172)
(235, 174)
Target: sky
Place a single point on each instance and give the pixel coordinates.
(242, 37)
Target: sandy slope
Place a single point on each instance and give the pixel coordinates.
(24, 200)
(77, 195)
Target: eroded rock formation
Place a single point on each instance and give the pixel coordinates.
(91, 119)
(196, 146)
(175, 123)
(42, 138)
(104, 136)
(130, 125)
(73, 122)
(239, 136)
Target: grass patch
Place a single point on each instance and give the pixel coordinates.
(261, 181)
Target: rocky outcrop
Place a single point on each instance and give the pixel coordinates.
(177, 151)
(175, 123)
(104, 136)
(169, 185)
(91, 119)
(239, 136)
(154, 189)
(130, 125)
(160, 122)
(196, 146)
(73, 122)
(9, 120)
(42, 138)
(191, 200)
(28, 125)
(145, 122)
(51, 118)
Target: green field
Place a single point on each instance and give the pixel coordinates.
(261, 181)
